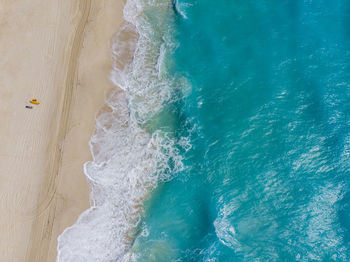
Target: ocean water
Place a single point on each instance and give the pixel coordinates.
(231, 140)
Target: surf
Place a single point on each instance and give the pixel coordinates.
(131, 152)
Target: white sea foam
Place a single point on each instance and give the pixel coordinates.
(181, 8)
(128, 161)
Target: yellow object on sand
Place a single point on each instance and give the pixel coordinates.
(34, 101)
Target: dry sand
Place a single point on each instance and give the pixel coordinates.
(58, 51)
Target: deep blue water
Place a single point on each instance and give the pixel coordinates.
(266, 113)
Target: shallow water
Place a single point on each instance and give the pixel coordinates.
(231, 139)
(267, 117)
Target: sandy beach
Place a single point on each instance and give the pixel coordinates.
(60, 53)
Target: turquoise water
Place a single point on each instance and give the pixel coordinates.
(265, 114)
(230, 140)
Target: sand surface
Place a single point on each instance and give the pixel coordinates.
(57, 51)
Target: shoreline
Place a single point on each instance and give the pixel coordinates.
(51, 141)
(130, 154)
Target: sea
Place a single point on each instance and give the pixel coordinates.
(226, 138)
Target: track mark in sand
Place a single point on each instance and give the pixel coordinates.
(85, 6)
(43, 223)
